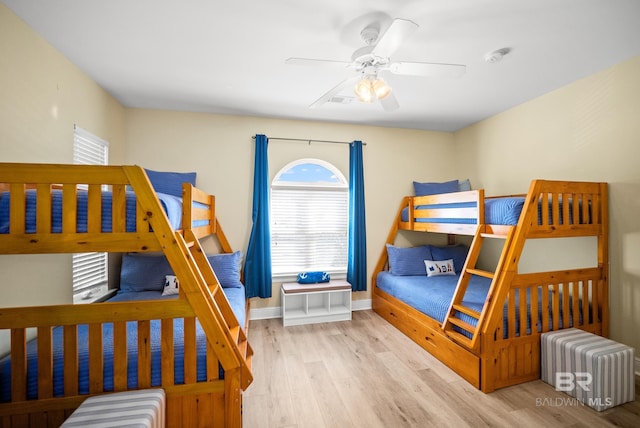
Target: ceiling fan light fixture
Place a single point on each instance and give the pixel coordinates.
(374, 58)
(364, 90)
(381, 89)
(370, 87)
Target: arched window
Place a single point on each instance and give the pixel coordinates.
(309, 218)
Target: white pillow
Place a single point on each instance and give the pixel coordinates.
(439, 267)
(170, 285)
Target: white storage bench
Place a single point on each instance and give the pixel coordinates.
(314, 303)
(143, 408)
(593, 369)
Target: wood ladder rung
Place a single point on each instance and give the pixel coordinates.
(481, 272)
(213, 288)
(235, 333)
(460, 338)
(493, 235)
(249, 359)
(243, 348)
(468, 311)
(462, 324)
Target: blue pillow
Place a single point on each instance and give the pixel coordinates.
(464, 185)
(425, 189)
(147, 272)
(409, 260)
(227, 268)
(456, 252)
(143, 272)
(170, 182)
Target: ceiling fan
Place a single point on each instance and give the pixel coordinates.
(372, 59)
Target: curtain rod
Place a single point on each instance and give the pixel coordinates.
(309, 140)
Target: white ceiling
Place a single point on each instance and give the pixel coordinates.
(229, 56)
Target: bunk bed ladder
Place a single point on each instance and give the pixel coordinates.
(454, 325)
(237, 331)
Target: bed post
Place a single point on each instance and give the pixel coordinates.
(391, 238)
(225, 247)
(232, 399)
(603, 258)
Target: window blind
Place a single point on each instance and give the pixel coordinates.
(309, 229)
(90, 270)
(89, 149)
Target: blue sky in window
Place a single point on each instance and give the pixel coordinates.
(308, 173)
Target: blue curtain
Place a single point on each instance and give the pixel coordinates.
(357, 256)
(257, 268)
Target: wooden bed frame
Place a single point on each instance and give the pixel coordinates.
(214, 402)
(488, 357)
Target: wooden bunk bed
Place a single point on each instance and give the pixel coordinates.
(492, 346)
(213, 401)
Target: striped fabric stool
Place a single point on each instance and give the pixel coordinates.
(144, 408)
(595, 370)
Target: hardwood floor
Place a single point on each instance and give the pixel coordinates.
(365, 373)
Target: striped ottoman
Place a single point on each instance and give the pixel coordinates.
(593, 369)
(144, 408)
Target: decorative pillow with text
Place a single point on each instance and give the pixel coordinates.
(170, 285)
(439, 267)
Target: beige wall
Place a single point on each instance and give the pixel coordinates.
(42, 96)
(588, 130)
(220, 149)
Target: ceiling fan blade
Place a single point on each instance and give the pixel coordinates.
(326, 97)
(316, 62)
(427, 69)
(390, 41)
(390, 102)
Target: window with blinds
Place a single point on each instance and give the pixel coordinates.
(309, 218)
(90, 270)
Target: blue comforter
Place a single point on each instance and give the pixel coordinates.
(236, 297)
(172, 206)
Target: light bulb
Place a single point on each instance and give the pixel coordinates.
(364, 90)
(381, 89)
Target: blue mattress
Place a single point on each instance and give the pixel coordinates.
(172, 206)
(236, 297)
(432, 296)
(498, 211)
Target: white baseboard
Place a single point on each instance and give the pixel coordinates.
(275, 312)
(361, 305)
(264, 313)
